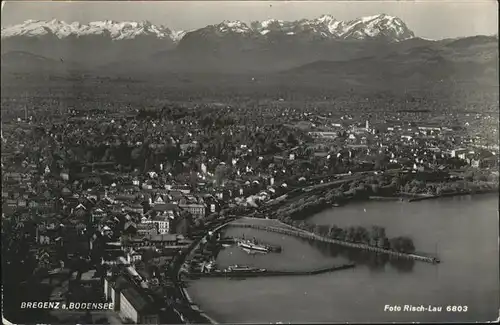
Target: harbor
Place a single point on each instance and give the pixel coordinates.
(379, 277)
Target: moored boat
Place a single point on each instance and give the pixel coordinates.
(253, 246)
(252, 252)
(243, 268)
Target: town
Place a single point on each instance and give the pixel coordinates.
(102, 205)
(172, 162)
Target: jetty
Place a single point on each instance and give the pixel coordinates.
(291, 231)
(260, 273)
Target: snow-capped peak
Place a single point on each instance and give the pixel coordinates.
(379, 26)
(326, 19)
(269, 22)
(235, 26)
(327, 26)
(115, 30)
(176, 36)
(370, 18)
(266, 26)
(376, 26)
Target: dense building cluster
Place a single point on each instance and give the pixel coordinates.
(111, 198)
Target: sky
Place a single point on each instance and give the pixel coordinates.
(435, 19)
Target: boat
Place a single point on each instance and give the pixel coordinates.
(226, 242)
(252, 252)
(253, 246)
(207, 266)
(211, 264)
(243, 268)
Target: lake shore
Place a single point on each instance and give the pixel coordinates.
(248, 301)
(321, 205)
(433, 197)
(211, 320)
(408, 198)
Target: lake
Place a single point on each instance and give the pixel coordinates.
(463, 231)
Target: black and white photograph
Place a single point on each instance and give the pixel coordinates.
(250, 162)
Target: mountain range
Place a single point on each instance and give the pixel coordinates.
(326, 26)
(298, 47)
(135, 41)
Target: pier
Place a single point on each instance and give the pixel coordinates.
(240, 274)
(307, 235)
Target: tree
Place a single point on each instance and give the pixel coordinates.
(323, 230)
(330, 195)
(221, 173)
(89, 155)
(335, 232)
(469, 176)
(292, 140)
(402, 244)
(407, 245)
(396, 181)
(381, 161)
(136, 153)
(492, 178)
(350, 234)
(183, 224)
(362, 235)
(377, 235)
(199, 223)
(339, 195)
(395, 244)
(309, 227)
(193, 179)
(147, 256)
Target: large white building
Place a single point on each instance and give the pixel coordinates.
(129, 299)
(459, 153)
(161, 222)
(196, 209)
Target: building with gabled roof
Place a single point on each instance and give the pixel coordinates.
(130, 300)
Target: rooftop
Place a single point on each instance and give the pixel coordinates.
(140, 302)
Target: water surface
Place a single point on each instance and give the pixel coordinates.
(462, 230)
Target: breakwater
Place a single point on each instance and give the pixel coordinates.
(385, 198)
(307, 235)
(240, 274)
